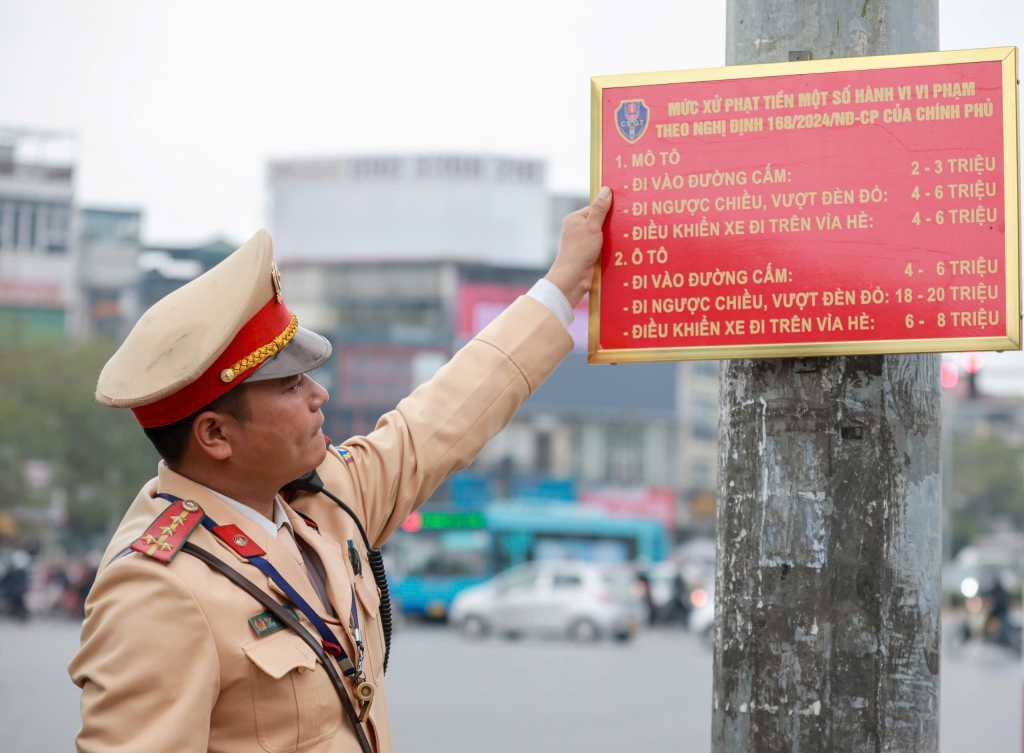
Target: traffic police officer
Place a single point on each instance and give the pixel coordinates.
(186, 644)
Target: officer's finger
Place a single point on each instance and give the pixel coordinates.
(599, 209)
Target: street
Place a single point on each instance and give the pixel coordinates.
(449, 695)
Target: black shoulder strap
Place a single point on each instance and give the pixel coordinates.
(282, 614)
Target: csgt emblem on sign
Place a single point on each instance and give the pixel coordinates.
(632, 118)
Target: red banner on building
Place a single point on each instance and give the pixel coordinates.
(658, 503)
(850, 206)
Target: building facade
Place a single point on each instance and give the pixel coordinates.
(164, 269)
(65, 271)
(465, 207)
(39, 295)
(109, 247)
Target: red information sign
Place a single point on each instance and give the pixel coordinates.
(850, 206)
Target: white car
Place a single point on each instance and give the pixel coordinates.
(578, 600)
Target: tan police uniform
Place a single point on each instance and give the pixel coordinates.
(174, 656)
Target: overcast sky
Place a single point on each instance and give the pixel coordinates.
(177, 104)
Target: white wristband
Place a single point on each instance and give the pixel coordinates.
(548, 293)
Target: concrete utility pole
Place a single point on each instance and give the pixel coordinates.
(827, 614)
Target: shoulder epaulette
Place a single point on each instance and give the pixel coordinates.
(169, 532)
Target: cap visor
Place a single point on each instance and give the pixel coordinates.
(304, 352)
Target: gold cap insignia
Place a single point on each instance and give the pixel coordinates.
(275, 280)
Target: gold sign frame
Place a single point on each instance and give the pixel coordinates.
(1011, 180)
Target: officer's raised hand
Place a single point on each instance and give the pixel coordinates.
(579, 248)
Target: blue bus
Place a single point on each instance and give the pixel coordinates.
(434, 555)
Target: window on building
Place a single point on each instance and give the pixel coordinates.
(702, 418)
(100, 225)
(590, 452)
(33, 226)
(57, 230)
(705, 368)
(700, 475)
(625, 454)
(17, 226)
(542, 453)
(659, 454)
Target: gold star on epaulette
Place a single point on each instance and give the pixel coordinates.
(167, 530)
(165, 547)
(178, 519)
(149, 539)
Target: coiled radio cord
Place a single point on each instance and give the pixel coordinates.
(311, 482)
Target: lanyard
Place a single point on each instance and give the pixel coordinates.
(330, 643)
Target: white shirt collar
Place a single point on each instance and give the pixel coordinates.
(270, 526)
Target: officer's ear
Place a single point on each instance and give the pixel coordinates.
(208, 435)
(207, 431)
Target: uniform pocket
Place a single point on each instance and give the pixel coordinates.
(295, 704)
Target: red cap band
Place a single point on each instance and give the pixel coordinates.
(269, 322)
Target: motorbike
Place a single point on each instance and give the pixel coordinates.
(981, 629)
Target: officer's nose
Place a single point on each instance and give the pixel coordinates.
(319, 394)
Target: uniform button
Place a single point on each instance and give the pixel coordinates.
(301, 670)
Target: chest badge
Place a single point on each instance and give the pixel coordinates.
(266, 623)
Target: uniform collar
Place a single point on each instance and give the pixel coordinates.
(225, 510)
(212, 503)
(270, 526)
(221, 510)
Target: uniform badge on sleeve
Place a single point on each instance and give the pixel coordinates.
(169, 532)
(345, 455)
